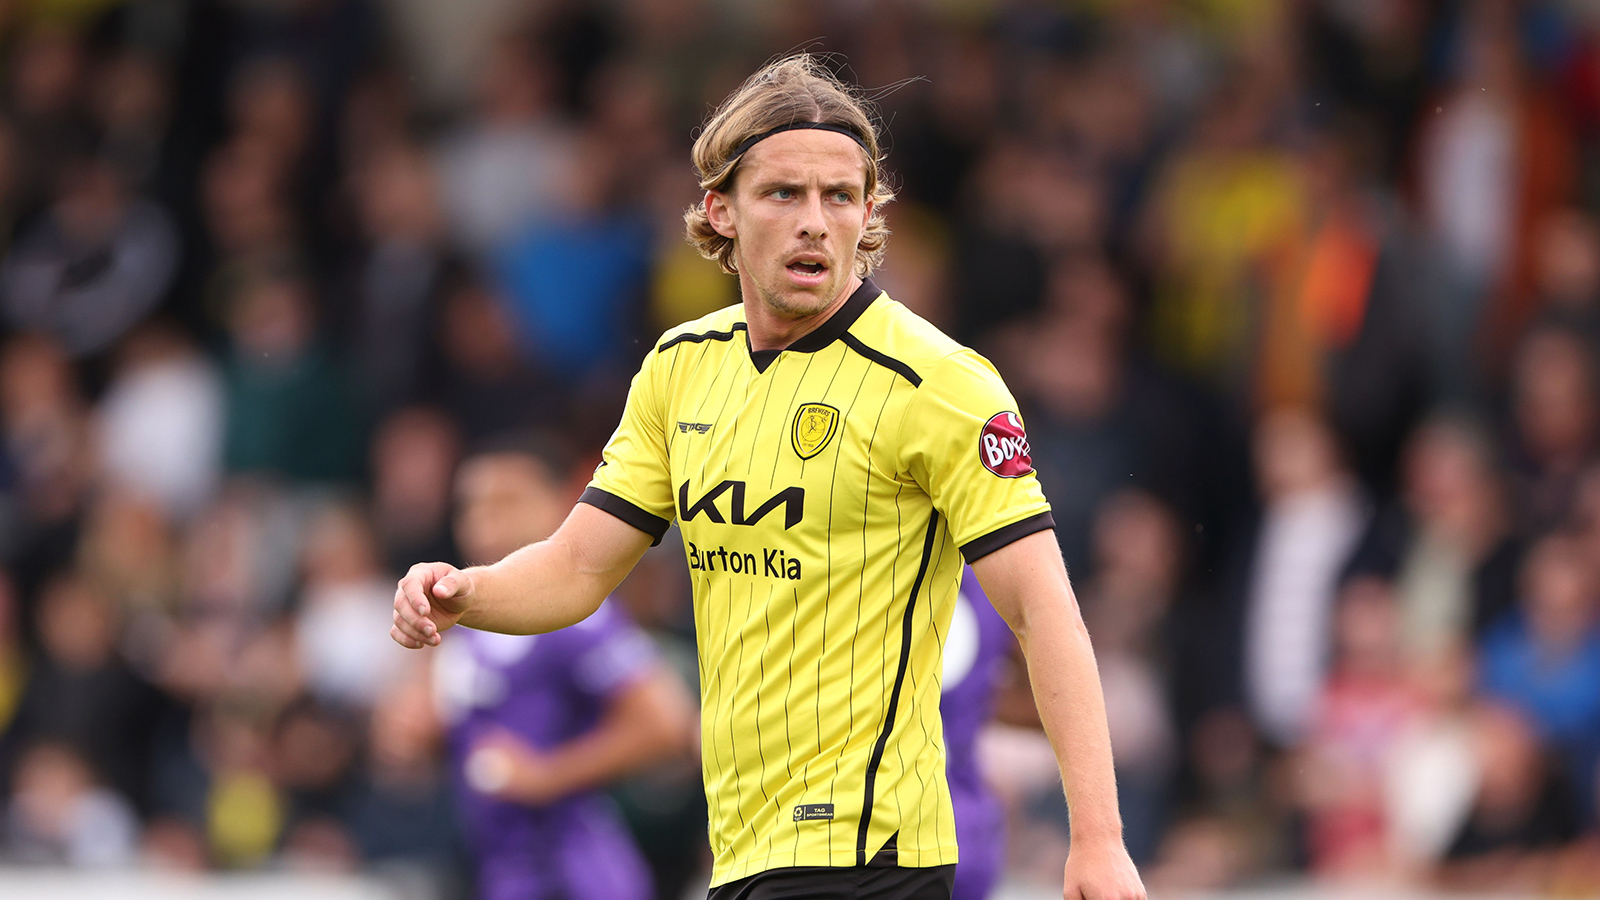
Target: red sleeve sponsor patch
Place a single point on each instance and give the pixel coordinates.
(1003, 446)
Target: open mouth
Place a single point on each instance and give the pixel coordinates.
(807, 269)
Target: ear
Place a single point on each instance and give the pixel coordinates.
(866, 214)
(720, 214)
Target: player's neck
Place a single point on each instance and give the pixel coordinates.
(771, 329)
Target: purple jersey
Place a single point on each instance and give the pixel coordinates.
(978, 641)
(546, 689)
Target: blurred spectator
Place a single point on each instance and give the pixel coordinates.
(1349, 330)
(486, 383)
(1431, 773)
(1556, 414)
(130, 550)
(403, 815)
(132, 108)
(1313, 515)
(242, 188)
(81, 693)
(1522, 811)
(1448, 544)
(342, 626)
(271, 101)
(575, 283)
(1224, 219)
(393, 286)
(59, 815)
(290, 409)
(414, 456)
(160, 421)
(43, 419)
(244, 811)
(241, 554)
(1137, 571)
(1568, 269)
(1494, 158)
(512, 162)
(1100, 420)
(1544, 658)
(1363, 710)
(47, 73)
(1234, 830)
(98, 262)
(313, 752)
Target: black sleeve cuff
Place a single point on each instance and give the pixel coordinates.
(647, 522)
(977, 548)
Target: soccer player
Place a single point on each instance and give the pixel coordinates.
(538, 723)
(830, 458)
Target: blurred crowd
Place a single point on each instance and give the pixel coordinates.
(1301, 302)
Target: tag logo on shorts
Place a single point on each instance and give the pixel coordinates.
(1003, 446)
(814, 427)
(811, 812)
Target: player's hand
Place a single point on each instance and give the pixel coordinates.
(431, 598)
(1101, 871)
(506, 767)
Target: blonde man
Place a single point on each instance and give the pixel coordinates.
(831, 459)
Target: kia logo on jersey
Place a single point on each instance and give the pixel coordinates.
(1003, 446)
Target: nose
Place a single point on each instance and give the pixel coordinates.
(813, 224)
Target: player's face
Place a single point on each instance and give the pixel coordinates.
(796, 214)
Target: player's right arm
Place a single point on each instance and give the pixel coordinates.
(560, 581)
(547, 585)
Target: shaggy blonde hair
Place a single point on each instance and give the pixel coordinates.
(794, 89)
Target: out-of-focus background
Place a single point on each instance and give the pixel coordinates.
(1301, 302)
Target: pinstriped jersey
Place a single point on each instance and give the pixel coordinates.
(827, 494)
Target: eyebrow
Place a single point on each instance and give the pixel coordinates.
(775, 184)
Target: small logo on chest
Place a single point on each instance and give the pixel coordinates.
(811, 812)
(694, 427)
(814, 426)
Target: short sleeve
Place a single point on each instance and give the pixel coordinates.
(609, 653)
(633, 481)
(963, 442)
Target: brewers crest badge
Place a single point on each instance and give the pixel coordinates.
(814, 426)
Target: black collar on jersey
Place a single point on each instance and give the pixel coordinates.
(792, 126)
(826, 333)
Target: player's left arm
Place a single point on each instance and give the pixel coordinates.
(1027, 583)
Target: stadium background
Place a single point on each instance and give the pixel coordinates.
(1301, 302)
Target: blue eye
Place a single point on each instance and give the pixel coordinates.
(842, 197)
(782, 193)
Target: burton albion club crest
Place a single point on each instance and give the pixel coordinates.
(814, 426)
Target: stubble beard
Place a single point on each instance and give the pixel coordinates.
(784, 304)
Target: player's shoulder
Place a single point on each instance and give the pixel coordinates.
(722, 324)
(892, 329)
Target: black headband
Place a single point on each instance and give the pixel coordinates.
(816, 126)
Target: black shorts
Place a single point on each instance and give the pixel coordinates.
(842, 883)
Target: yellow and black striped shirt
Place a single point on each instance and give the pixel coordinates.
(823, 492)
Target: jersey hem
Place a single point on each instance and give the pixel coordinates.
(627, 511)
(927, 858)
(979, 547)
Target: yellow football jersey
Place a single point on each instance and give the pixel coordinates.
(827, 494)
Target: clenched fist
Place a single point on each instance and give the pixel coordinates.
(431, 598)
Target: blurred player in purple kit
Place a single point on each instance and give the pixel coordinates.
(976, 651)
(539, 723)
